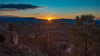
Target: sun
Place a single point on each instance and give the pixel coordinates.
(49, 19)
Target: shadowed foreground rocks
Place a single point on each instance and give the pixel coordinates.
(9, 44)
(13, 50)
(24, 39)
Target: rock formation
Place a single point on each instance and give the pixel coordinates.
(9, 44)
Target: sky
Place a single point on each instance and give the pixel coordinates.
(42, 9)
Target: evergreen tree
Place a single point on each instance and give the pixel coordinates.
(85, 35)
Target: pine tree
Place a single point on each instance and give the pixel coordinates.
(85, 35)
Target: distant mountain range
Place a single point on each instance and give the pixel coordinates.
(19, 19)
(13, 19)
(73, 20)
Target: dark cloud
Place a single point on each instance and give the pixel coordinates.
(17, 7)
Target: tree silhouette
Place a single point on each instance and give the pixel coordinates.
(85, 35)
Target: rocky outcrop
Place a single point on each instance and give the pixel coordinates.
(13, 50)
(9, 44)
(47, 39)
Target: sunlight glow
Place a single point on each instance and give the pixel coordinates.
(49, 19)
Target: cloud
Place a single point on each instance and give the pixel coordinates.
(37, 13)
(17, 7)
